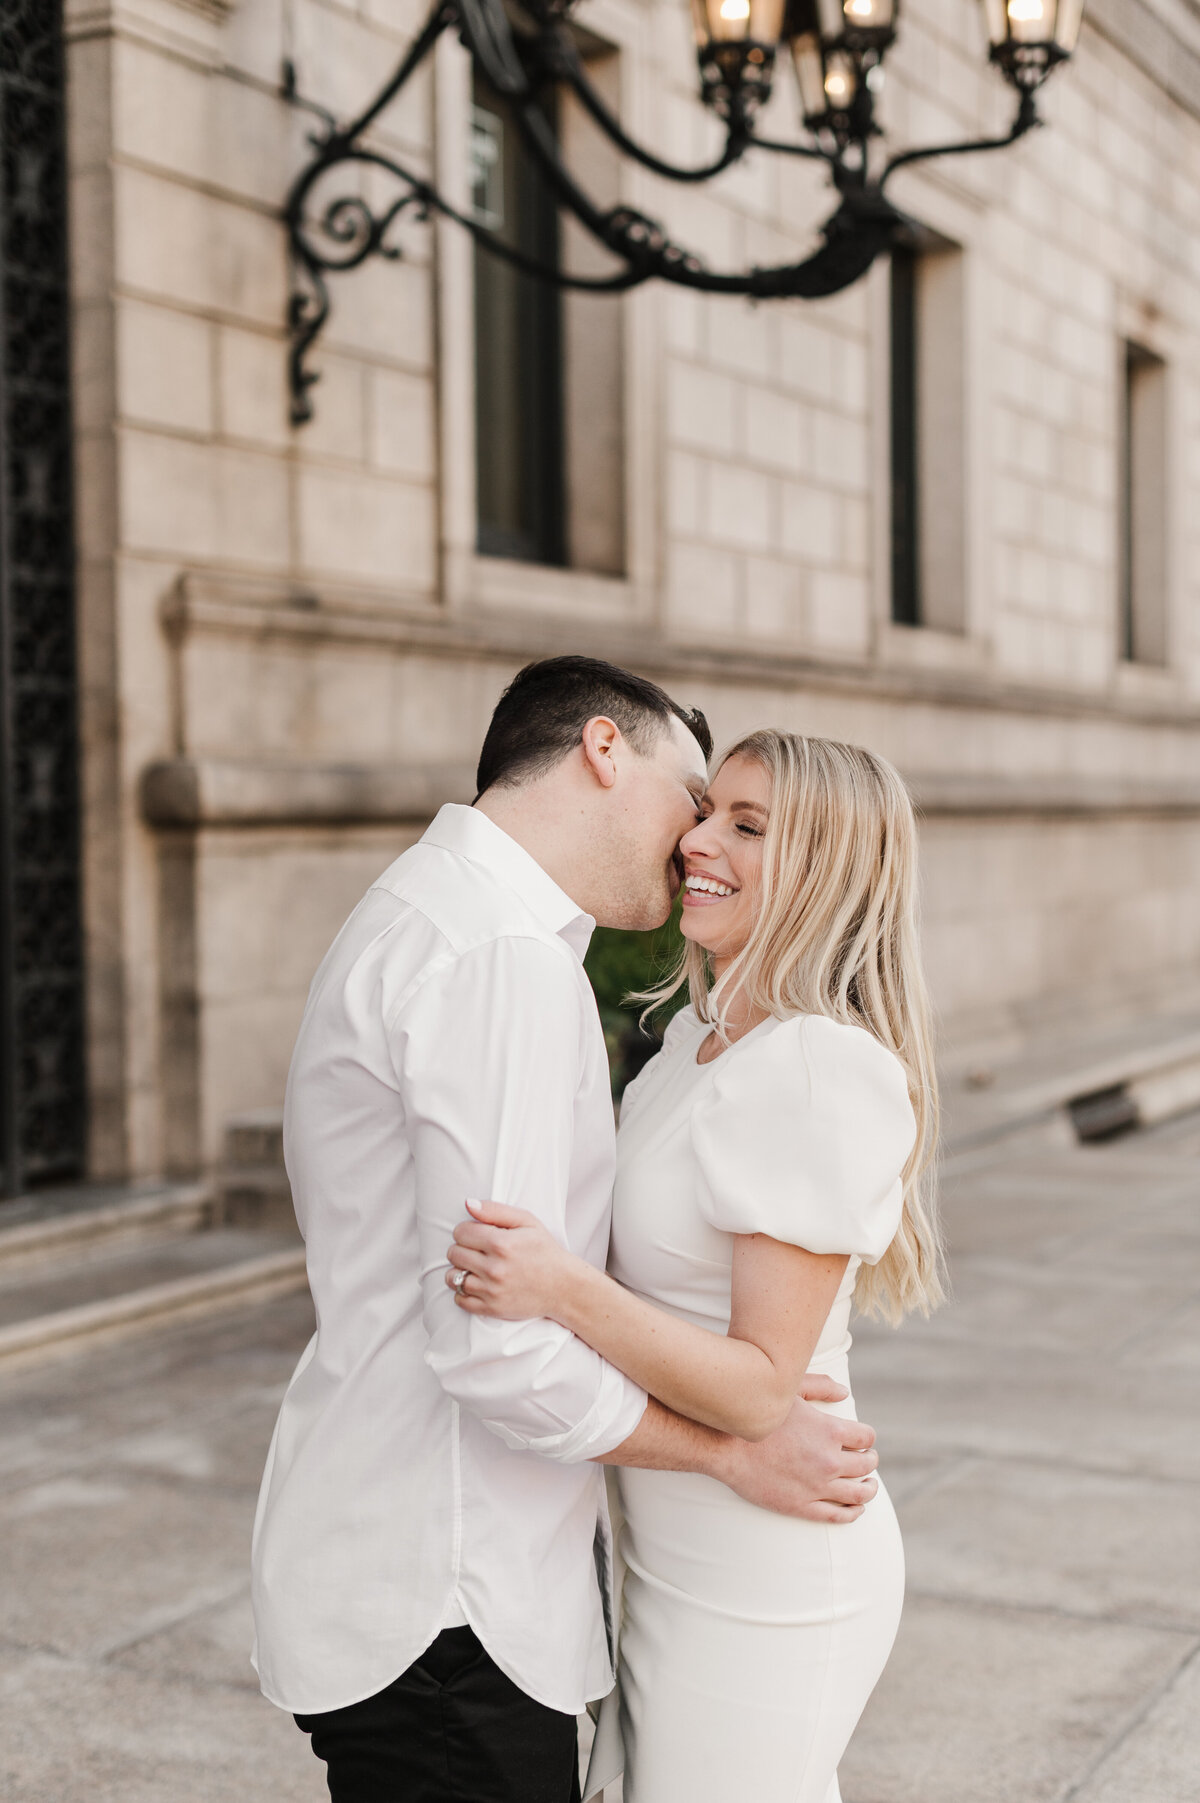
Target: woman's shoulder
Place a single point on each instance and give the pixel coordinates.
(815, 1051)
(849, 1050)
(804, 1137)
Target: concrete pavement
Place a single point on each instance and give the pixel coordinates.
(1039, 1436)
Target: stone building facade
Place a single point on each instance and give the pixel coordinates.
(289, 641)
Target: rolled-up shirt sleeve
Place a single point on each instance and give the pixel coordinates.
(489, 1052)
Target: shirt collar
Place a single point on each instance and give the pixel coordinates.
(473, 836)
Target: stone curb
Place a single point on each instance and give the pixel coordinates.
(184, 1208)
(181, 1299)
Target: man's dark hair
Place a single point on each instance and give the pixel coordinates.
(542, 713)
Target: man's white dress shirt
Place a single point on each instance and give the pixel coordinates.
(429, 1467)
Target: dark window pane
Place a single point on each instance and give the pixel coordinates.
(1142, 570)
(906, 594)
(1125, 573)
(518, 350)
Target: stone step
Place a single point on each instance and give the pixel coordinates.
(1088, 1085)
(255, 1139)
(254, 1196)
(99, 1292)
(252, 1184)
(60, 1223)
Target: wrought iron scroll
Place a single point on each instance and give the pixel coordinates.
(336, 236)
(42, 1114)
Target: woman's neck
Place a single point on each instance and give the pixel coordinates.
(741, 1017)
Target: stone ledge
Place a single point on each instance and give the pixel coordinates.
(186, 792)
(228, 792)
(1052, 795)
(209, 605)
(79, 1329)
(37, 1236)
(190, 29)
(1135, 1072)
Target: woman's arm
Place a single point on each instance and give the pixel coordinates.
(743, 1383)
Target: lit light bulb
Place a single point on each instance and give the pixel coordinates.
(733, 10)
(836, 86)
(1026, 12)
(860, 9)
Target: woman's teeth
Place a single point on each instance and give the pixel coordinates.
(704, 885)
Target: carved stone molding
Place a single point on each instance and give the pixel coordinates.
(185, 792)
(220, 792)
(202, 605)
(217, 10)
(157, 21)
(1059, 796)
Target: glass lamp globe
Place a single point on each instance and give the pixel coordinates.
(738, 22)
(736, 41)
(839, 17)
(1028, 37)
(836, 46)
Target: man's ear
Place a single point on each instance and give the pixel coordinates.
(601, 739)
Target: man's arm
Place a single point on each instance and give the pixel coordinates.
(812, 1464)
(743, 1382)
(488, 1056)
(816, 1466)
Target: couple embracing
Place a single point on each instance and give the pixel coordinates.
(509, 1298)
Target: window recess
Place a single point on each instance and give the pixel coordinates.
(549, 363)
(1142, 564)
(928, 436)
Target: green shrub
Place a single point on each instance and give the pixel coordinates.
(621, 963)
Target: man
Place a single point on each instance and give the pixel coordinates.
(431, 1538)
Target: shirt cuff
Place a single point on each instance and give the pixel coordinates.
(618, 1408)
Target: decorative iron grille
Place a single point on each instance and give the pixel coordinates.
(41, 968)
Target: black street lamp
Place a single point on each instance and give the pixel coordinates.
(837, 49)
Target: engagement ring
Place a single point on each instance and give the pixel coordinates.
(458, 1279)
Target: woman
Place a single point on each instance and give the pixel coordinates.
(768, 1174)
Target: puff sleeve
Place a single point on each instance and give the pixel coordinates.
(804, 1136)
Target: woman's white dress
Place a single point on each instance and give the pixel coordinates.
(750, 1642)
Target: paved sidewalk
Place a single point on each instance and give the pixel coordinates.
(1040, 1439)
(1039, 1436)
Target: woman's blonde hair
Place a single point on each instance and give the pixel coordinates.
(836, 934)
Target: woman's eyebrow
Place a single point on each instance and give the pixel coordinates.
(748, 807)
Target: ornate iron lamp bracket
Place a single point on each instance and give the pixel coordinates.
(341, 234)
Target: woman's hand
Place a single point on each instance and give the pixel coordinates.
(515, 1269)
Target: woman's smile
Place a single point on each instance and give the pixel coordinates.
(722, 860)
(703, 891)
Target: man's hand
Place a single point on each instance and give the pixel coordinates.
(818, 1467)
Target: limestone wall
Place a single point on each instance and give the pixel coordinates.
(290, 631)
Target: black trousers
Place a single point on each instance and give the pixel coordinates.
(451, 1729)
